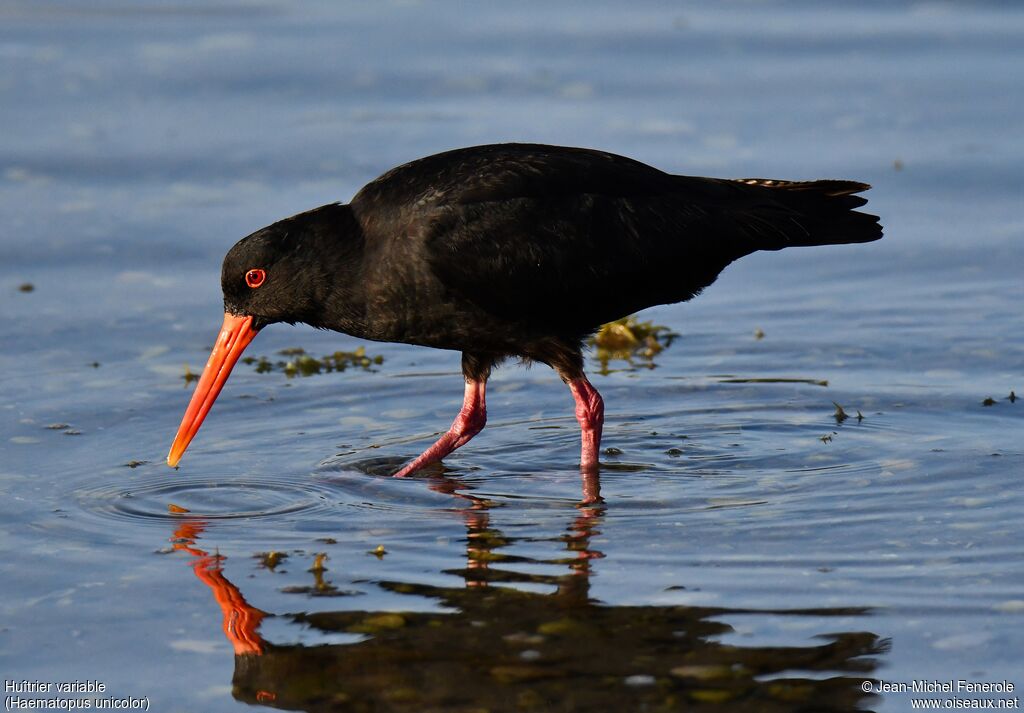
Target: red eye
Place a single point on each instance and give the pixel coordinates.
(255, 278)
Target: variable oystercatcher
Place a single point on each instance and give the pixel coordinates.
(509, 250)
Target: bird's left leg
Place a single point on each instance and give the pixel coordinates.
(470, 421)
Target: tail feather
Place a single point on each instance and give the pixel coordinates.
(817, 213)
(828, 186)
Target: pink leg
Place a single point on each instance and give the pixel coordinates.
(468, 423)
(590, 414)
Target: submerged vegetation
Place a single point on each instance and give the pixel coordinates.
(629, 339)
(299, 363)
(270, 560)
(840, 414)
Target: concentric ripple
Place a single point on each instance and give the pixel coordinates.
(237, 498)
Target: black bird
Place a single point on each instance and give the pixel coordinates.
(510, 250)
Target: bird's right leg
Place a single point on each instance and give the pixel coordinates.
(470, 421)
(589, 405)
(590, 415)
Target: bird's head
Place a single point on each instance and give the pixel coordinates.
(272, 276)
(277, 274)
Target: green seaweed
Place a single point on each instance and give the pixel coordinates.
(318, 562)
(321, 587)
(627, 339)
(840, 414)
(376, 623)
(270, 560)
(299, 363)
(561, 627)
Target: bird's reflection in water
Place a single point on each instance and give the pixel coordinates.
(502, 648)
(241, 620)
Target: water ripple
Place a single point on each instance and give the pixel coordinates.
(243, 497)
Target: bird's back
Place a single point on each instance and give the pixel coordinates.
(559, 240)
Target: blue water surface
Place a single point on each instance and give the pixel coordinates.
(753, 552)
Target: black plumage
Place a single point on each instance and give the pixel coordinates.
(522, 250)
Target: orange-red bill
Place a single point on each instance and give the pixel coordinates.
(234, 337)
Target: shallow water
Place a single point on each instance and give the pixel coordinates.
(751, 553)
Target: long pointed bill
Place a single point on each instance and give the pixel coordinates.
(234, 337)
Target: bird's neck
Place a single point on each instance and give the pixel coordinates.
(338, 250)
